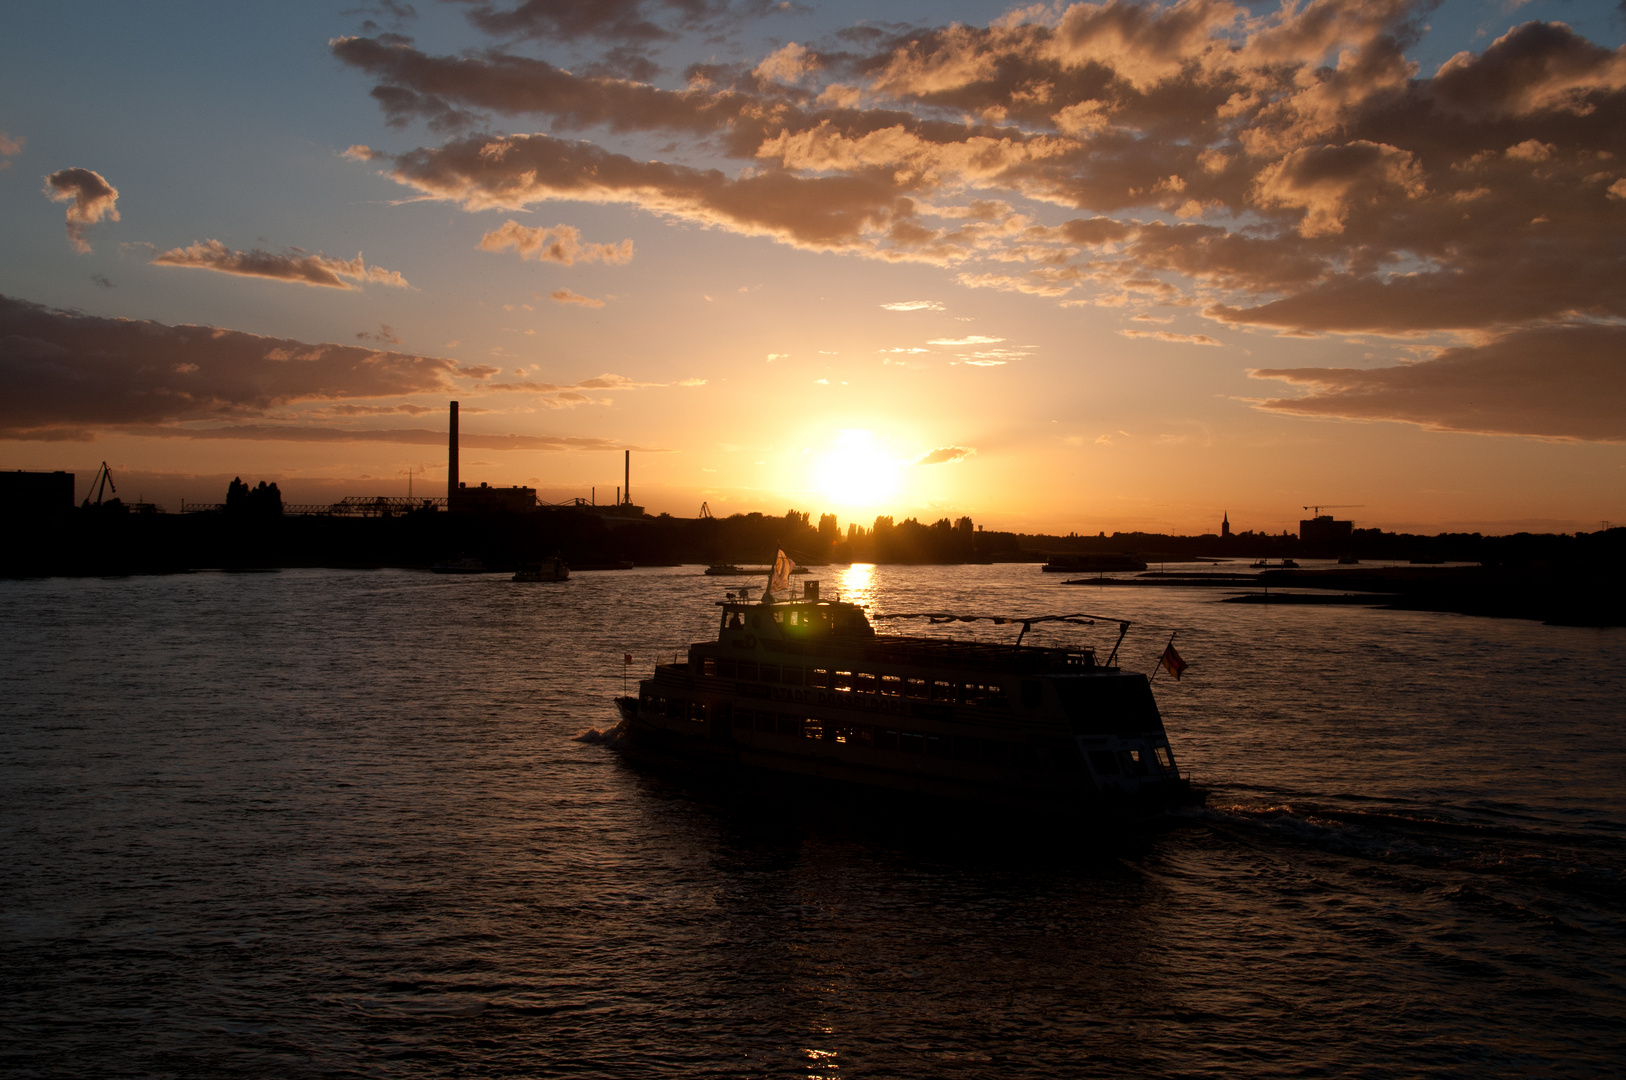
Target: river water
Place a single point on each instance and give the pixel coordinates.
(327, 823)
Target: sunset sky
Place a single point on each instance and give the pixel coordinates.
(1058, 267)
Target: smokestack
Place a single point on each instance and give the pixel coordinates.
(627, 480)
(451, 457)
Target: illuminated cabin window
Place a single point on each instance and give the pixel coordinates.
(842, 680)
(1164, 758)
(812, 729)
(915, 688)
(819, 677)
(892, 685)
(942, 691)
(708, 666)
(864, 682)
(779, 616)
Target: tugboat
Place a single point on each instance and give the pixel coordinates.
(553, 569)
(806, 686)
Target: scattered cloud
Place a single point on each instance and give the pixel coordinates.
(358, 152)
(90, 199)
(567, 296)
(974, 339)
(384, 335)
(10, 147)
(914, 305)
(295, 266)
(100, 281)
(945, 454)
(560, 244)
(1167, 335)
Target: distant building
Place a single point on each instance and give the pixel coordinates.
(1324, 536)
(36, 494)
(487, 500)
(1225, 526)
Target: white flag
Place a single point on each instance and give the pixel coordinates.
(782, 566)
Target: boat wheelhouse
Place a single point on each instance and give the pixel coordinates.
(809, 687)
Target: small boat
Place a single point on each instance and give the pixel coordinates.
(552, 570)
(806, 687)
(1285, 564)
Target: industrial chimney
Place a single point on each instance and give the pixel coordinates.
(626, 486)
(451, 458)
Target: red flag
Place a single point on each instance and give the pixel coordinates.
(626, 658)
(1171, 661)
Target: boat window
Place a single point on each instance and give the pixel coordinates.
(819, 677)
(892, 685)
(725, 668)
(788, 725)
(996, 696)
(812, 729)
(791, 676)
(971, 693)
(935, 747)
(1104, 762)
(747, 671)
(708, 666)
(779, 616)
(1164, 758)
(887, 740)
(843, 681)
(942, 691)
(769, 673)
(915, 688)
(795, 618)
(864, 682)
(1134, 763)
(911, 742)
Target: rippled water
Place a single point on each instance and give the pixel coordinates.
(326, 823)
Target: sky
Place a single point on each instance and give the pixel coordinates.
(1058, 267)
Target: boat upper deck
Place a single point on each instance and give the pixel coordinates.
(836, 629)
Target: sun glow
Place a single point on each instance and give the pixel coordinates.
(857, 472)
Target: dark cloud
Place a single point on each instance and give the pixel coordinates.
(90, 197)
(297, 267)
(1556, 382)
(66, 372)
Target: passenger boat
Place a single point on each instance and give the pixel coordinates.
(807, 686)
(553, 569)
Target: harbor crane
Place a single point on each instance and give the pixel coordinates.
(1335, 506)
(102, 483)
(705, 512)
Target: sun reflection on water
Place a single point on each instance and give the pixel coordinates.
(856, 584)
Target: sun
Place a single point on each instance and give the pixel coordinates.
(857, 471)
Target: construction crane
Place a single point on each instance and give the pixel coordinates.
(102, 482)
(1335, 506)
(705, 513)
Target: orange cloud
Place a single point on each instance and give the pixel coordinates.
(315, 270)
(90, 197)
(560, 244)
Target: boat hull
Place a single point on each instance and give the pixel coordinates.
(824, 761)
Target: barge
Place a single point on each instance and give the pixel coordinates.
(808, 687)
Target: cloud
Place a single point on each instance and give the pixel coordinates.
(560, 244)
(71, 373)
(914, 305)
(10, 147)
(1166, 335)
(566, 296)
(945, 454)
(298, 267)
(974, 339)
(384, 335)
(90, 197)
(1292, 168)
(1556, 382)
(360, 152)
